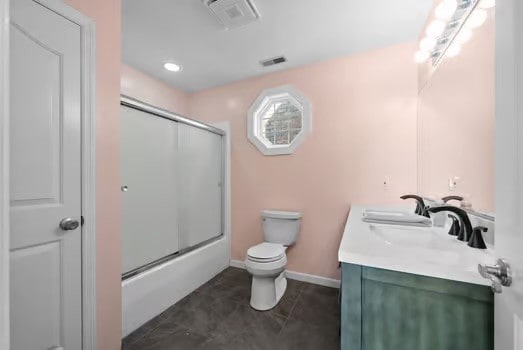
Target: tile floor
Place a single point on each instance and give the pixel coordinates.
(218, 316)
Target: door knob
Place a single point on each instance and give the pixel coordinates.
(499, 274)
(69, 224)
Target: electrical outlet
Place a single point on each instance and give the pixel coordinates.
(453, 182)
(386, 182)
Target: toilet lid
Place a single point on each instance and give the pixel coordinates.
(266, 251)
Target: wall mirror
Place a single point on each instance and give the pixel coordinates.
(456, 116)
(279, 120)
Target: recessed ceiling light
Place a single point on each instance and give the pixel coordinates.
(172, 67)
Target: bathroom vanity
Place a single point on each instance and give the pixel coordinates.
(412, 288)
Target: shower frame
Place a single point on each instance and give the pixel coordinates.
(162, 113)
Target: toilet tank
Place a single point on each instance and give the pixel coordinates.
(281, 226)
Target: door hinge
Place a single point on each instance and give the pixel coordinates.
(82, 220)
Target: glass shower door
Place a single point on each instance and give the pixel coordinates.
(200, 171)
(172, 196)
(149, 173)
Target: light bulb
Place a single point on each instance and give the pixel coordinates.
(453, 50)
(172, 67)
(476, 18)
(464, 35)
(446, 9)
(486, 4)
(421, 56)
(435, 29)
(427, 44)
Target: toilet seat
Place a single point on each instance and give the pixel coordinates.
(266, 252)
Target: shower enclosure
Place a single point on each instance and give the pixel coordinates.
(172, 171)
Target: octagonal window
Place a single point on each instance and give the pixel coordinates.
(279, 120)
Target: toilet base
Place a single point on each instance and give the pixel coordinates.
(266, 292)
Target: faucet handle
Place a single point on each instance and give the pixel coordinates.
(421, 209)
(454, 228)
(449, 198)
(476, 239)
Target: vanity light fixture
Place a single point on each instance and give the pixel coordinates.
(172, 67)
(451, 27)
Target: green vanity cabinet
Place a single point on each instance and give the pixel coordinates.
(389, 310)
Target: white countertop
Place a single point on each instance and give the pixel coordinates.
(427, 251)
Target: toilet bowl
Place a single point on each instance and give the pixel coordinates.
(266, 261)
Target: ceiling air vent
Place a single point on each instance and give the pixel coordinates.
(233, 13)
(273, 61)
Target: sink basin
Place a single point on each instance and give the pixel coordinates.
(430, 243)
(425, 238)
(405, 236)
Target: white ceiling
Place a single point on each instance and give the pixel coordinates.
(304, 31)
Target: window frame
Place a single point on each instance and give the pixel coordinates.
(256, 113)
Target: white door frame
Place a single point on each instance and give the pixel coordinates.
(87, 27)
(4, 175)
(508, 332)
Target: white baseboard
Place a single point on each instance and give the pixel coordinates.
(298, 276)
(237, 263)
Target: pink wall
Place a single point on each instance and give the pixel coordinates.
(141, 86)
(456, 122)
(106, 14)
(364, 129)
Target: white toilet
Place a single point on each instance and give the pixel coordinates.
(266, 261)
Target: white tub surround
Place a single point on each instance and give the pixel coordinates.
(147, 295)
(427, 251)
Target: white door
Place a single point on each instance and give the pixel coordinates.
(509, 171)
(45, 183)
